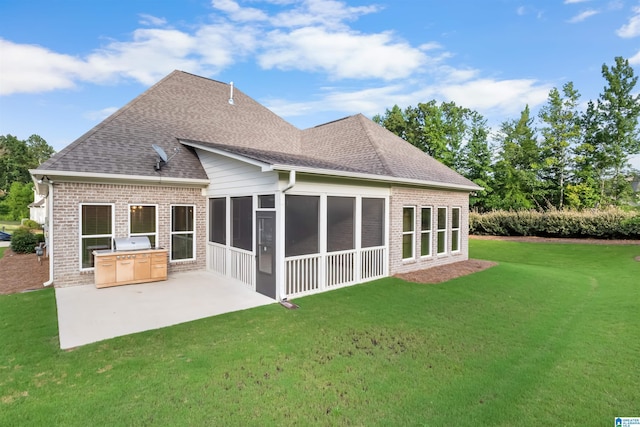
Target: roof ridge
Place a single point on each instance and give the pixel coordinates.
(373, 141)
(75, 144)
(332, 121)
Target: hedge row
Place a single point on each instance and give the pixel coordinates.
(603, 224)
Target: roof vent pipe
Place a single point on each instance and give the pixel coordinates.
(231, 93)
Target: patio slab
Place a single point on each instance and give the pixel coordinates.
(87, 314)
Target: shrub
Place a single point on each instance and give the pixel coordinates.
(30, 224)
(606, 224)
(23, 241)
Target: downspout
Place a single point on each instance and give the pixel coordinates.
(292, 181)
(50, 230)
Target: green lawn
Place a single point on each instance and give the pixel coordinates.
(551, 336)
(9, 226)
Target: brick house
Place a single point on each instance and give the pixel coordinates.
(245, 194)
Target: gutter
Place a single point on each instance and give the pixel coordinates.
(375, 178)
(292, 181)
(49, 184)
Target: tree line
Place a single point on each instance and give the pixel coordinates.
(566, 157)
(16, 187)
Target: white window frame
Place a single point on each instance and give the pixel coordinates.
(412, 232)
(93, 236)
(428, 232)
(442, 231)
(453, 229)
(172, 233)
(155, 233)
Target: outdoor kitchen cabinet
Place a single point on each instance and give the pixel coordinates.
(115, 268)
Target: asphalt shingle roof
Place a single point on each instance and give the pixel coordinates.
(186, 107)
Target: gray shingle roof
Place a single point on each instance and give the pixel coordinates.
(183, 106)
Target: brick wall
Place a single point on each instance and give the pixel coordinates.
(418, 198)
(66, 222)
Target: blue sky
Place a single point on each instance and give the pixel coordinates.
(66, 65)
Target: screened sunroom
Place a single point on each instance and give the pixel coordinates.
(286, 245)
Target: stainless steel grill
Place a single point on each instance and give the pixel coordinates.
(131, 243)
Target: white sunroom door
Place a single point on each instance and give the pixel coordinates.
(266, 253)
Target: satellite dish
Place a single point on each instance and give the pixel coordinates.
(162, 156)
(160, 151)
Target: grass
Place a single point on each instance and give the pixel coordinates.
(2, 249)
(9, 226)
(548, 337)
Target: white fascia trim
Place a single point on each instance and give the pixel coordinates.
(107, 177)
(378, 178)
(265, 167)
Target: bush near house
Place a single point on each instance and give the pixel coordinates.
(610, 223)
(23, 241)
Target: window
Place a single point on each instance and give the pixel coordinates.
(96, 231)
(442, 230)
(340, 223)
(372, 229)
(301, 225)
(425, 232)
(267, 201)
(242, 222)
(408, 228)
(142, 222)
(182, 232)
(218, 220)
(455, 229)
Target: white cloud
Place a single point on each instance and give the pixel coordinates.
(313, 36)
(635, 59)
(151, 21)
(327, 13)
(575, 1)
(631, 28)
(152, 54)
(583, 16)
(501, 96)
(341, 54)
(491, 98)
(237, 13)
(97, 116)
(33, 69)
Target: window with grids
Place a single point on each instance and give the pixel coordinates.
(442, 230)
(425, 232)
(183, 232)
(455, 229)
(96, 231)
(408, 232)
(142, 222)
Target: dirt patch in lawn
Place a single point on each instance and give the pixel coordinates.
(22, 272)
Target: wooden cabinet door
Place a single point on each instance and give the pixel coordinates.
(142, 267)
(159, 266)
(124, 268)
(105, 272)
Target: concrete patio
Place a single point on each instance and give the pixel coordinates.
(87, 314)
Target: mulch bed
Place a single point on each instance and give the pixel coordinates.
(22, 272)
(443, 273)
